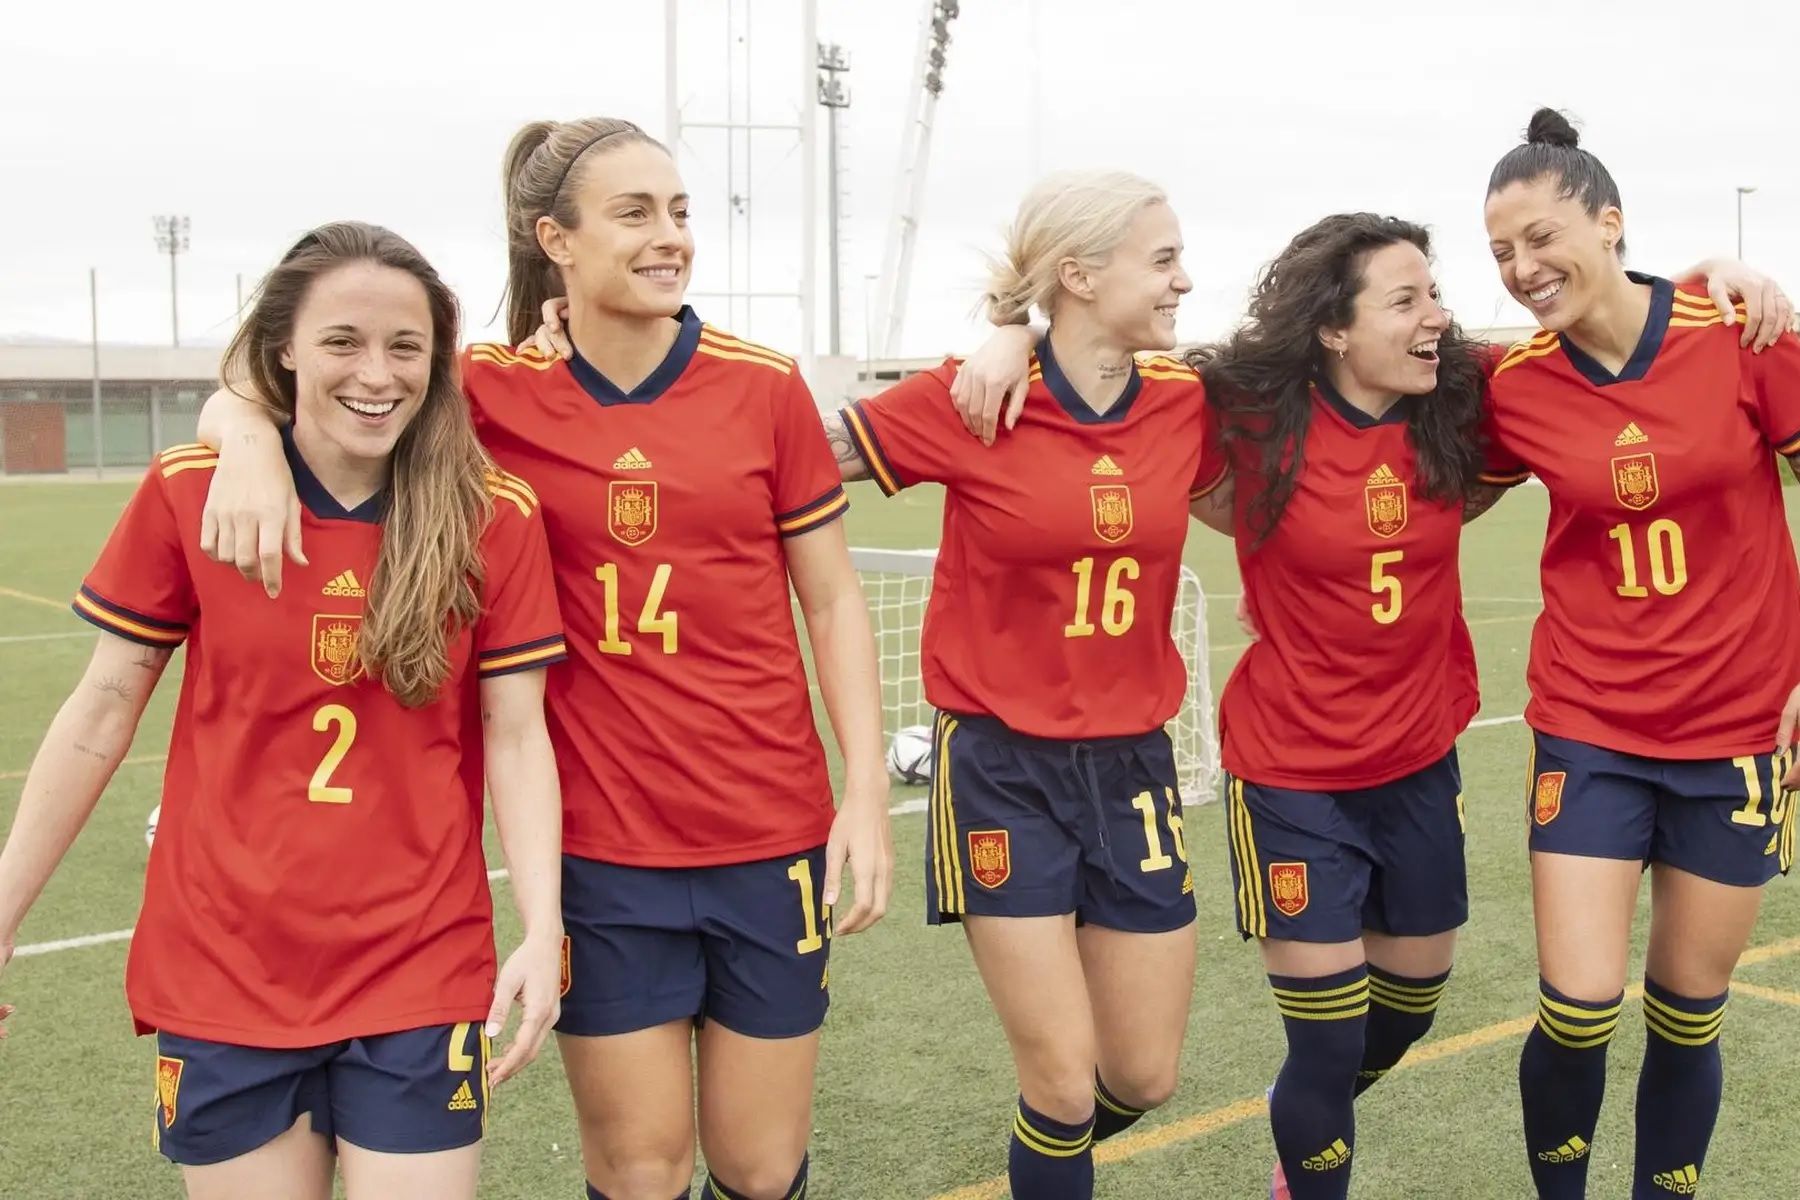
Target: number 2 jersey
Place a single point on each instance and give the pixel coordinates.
(317, 871)
(1056, 579)
(683, 726)
(1364, 671)
(1671, 622)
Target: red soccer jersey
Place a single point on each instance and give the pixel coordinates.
(683, 725)
(1671, 598)
(1364, 671)
(317, 872)
(1061, 554)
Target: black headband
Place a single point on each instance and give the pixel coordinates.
(585, 147)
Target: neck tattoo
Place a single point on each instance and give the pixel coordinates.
(1114, 370)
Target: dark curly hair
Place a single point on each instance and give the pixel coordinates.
(1260, 380)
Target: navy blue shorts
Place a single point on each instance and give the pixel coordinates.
(1723, 819)
(1325, 866)
(1035, 827)
(413, 1092)
(745, 945)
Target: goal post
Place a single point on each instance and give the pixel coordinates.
(897, 584)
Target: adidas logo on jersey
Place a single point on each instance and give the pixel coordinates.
(1570, 1151)
(344, 585)
(1631, 435)
(1383, 475)
(1683, 1181)
(632, 460)
(464, 1100)
(1330, 1158)
(1104, 465)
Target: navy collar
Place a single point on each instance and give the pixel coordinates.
(1357, 418)
(1071, 400)
(321, 503)
(1662, 296)
(657, 382)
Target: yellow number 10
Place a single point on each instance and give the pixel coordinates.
(1668, 558)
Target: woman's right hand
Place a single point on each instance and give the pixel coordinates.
(994, 377)
(252, 512)
(551, 339)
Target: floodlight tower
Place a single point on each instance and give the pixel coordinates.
(172, 240)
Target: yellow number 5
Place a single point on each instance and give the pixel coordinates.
(321, 791)
(1385, 611)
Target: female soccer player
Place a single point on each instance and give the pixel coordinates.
(315, 952)
(1663, 668)
(686, 482)
(1055, 834)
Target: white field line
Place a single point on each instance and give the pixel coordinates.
(17, 638)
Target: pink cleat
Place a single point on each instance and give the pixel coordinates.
(1278, 1188)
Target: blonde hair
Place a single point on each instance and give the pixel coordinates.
(427, 576)
(539, 179)
(1082, 215)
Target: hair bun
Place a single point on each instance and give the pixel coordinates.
(1550, 128)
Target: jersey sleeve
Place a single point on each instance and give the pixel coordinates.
(1215, 465)
(520, 628)
(808, 489)
(140, 588)
(1775, 376)
(910, 433)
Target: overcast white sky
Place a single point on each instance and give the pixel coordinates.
(260, 120)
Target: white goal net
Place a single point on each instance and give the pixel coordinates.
(898, 583)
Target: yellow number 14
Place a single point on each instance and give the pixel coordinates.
(652, 620)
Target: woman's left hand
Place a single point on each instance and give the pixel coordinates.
(532, 978)
(1768, 313)
(860, 839)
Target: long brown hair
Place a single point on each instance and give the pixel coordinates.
(539, 179)
(1261, 378)
(426, 582)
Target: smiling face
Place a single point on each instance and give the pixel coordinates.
(360, 352)
(1555, 257)
(1135, 292)
(632, 252)
(1390, 346)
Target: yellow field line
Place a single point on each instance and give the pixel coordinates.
(1740, 988)
(58, 605)
(1223, 647)
(1239, 1111)
(141, 760)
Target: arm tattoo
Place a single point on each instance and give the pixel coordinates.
(151, 659)
(843, 447)
(88, 750)
(116, 687)
(1480, 500)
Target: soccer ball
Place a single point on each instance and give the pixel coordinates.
(150, 826)
(909, 754)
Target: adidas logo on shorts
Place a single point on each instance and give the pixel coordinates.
(1570, 1151)
(464, 1100)
(344, 585)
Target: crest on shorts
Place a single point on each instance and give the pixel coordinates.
(990, 856)
(567, 976)
(1546, 797)
(1634, 480)
(1384, 496)
(1112, 511)
(334, 647)
(1287, 888)
(631, 510)
(168, 1086)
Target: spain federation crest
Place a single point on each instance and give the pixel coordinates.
(1546, 799)
(334, 657)
(1384, 496)
(631, 510)
(1112, 511)
(1287, 888)
(1634, 480)
(990, 856)
(168, 1086)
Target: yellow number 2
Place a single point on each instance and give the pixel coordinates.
(1386, 610)
(321, 791)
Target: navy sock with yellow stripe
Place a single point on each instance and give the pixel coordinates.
(1562, 1079)
(1401, 1009)
(594, 1193)
(714, 1190)
(1111, 1114)
(1679, 1090)
(1049, 1160)
(1312, 1106)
